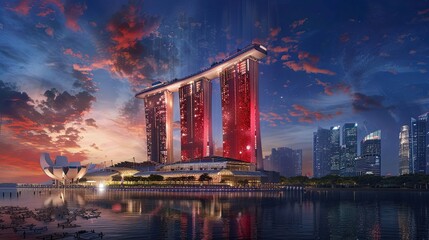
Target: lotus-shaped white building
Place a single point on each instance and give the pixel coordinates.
(61, 169)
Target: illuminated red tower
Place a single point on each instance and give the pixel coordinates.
(195, 119)
(159, 115)
(240, 112)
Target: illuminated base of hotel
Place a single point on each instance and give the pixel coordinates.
(222, 171)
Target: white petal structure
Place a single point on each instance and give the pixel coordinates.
(61, 169)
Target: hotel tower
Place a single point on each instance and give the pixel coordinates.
(238, 75)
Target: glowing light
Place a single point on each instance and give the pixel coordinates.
(265, 49)
(248, 147)
(101, 187)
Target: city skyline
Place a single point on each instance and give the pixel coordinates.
(69, 71)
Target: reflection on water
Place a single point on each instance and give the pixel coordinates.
(333, 214)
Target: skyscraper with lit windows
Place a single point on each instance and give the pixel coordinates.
(349, 149)
(404, 150)
(369, 161)
(195, 120)
(321, 152)
(159, 130)
(419, 144)
(240, 113)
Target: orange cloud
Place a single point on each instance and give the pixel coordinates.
(289, 40)
(306, 115)
(329, 90)
(23, 7)
(309, 68)
(275, 31)
(69, 51)
(72, 12)
(298, 23)
(279, 49)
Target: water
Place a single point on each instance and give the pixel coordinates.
(333, 214)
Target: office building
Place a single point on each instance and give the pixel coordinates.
(349, 149)
(369, 161)
(335, 150)
(404, 150)
(419, 142)
(321, 153)
(286, 161)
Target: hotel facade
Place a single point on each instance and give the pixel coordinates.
(238, 76)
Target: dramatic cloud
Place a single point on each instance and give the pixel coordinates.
(72, 12)
(33, 122)
(23, 7)
(84, 80)
(273, 118)
(128, 56)
(307, 64)
(132, 116)
(306, 115)
(362, 102)
(69, 51)
(330, 89)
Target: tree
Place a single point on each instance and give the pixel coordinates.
(116, 178)
(205, 177)
(155, 177)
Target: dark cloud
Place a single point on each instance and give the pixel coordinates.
(60, 108)
(32, 123)
(95, 146)
(91, 122)
(84, 81)
(362, 102)
(132, 116)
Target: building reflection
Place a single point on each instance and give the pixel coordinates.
(324, 214)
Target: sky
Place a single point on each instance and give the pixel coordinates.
(69, 71)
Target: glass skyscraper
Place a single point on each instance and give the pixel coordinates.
(404, 150)
(286, 161)
(369, 161)
(335, 150)
(349, 149)
(321, 153)
(419, 140)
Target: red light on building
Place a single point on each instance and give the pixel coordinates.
(159, 115)
(240, 112)
(195, 120)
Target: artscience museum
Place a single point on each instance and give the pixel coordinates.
(61, 170)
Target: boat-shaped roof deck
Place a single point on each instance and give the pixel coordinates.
(255, 51)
